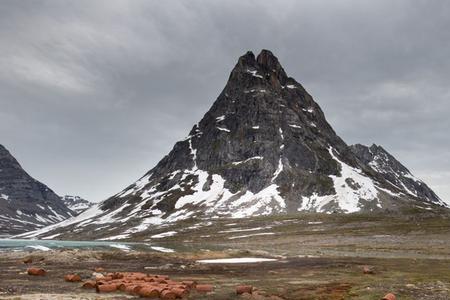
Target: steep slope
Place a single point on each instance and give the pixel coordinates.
(394, 172)
(263, 148)
(76, 203)
(25, 203)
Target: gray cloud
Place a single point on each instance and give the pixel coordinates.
(94, 93)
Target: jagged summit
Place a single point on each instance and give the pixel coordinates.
(266, 67)
(264, 147)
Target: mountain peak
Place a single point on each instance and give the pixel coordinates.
(265, 66)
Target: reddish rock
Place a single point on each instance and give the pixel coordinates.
(189, 283)
(117, 275)
(129, 288)
(241, 289)
(168, 295)
(149, 292)
(106, 288)
(90, 284)
(107, 278)
(36, 272)
(160, 280)
(368, 270)
(389, 296)
(204, 288)
(72, 278)
(122, 286)
(180, 292)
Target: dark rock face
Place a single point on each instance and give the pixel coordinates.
(76, 203)
(263, 148)
(25, 203)
(394, 172)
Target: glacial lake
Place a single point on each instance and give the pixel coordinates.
(47, 245)
(8, 244)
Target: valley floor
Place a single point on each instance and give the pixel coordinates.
(317, 257)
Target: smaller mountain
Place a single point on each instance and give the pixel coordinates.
(76, 203)
(394, 173)
(25, 203)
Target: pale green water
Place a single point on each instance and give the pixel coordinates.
(25, 245)
(7, 244)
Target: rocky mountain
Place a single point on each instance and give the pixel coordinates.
(76, 203)
(25, 203)
(263, 148)
(396, 174)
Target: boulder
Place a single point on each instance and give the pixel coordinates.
(241, 289)
(90, 284)
(204, 288)
(389, 296)
(189, 283)
(180, 292)
(106, 288)
(368, 270)
(36, 271)
(72, 278)
(149, 292)
(168, 295)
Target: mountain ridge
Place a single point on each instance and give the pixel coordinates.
(25, 203)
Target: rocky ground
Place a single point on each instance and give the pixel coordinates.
(317, 257)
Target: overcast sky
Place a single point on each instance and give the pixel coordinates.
(94, 93)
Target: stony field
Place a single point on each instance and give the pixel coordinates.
(316, 257)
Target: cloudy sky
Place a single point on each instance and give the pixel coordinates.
(94, 93)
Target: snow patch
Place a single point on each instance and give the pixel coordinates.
(38, 247)
(163, 235)
(241, 260)
(347, 195)
(115, 237)
(250, 235)
(223, 129)
(220, 119)
(162, 249)
(265, 202)
(295, 126)
(244, 229)
(278, 170)
(254, 73)
(121, 247)
(247, 160)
